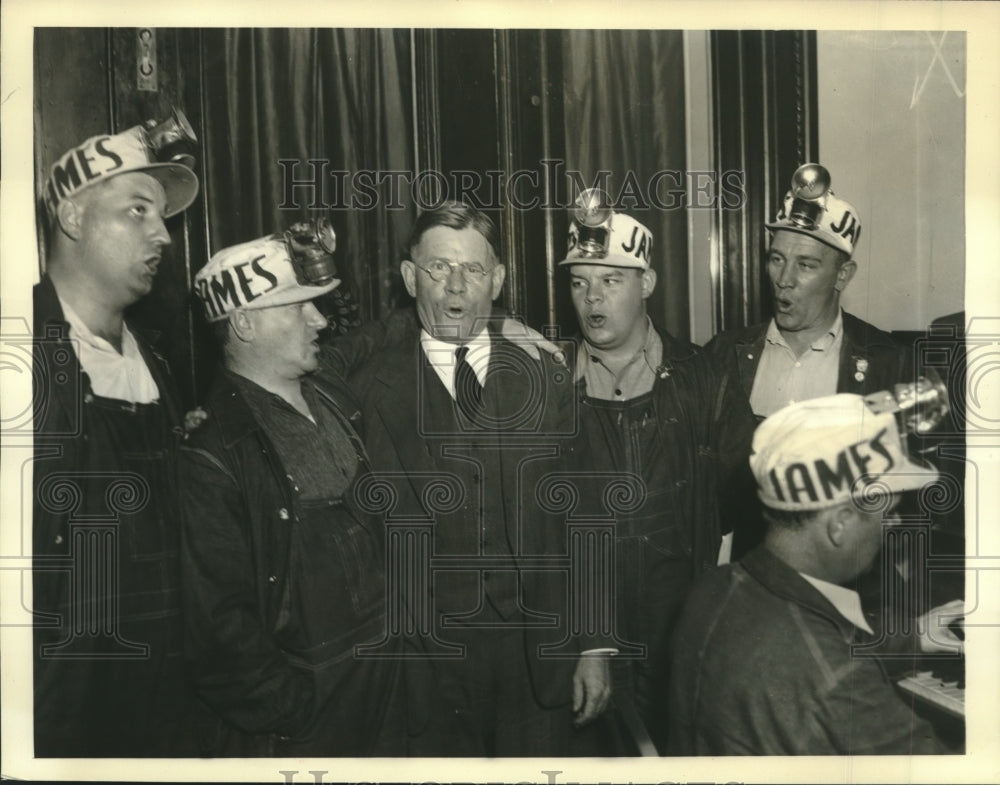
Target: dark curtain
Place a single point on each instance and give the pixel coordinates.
(624, 112)
(341, 96)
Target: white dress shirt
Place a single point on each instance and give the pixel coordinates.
(441, 356)
(846, 601)
(784, 377)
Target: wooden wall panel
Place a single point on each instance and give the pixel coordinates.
(525, 139)
(764, 109)
(168, 308)
(72, 98)
(501, 111)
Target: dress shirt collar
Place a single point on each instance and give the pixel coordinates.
(648, 350)
(441, 356)
(635, 378)
(846, 601)
(821, 344)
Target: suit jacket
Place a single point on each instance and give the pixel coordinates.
(533, 409)
(870, 359)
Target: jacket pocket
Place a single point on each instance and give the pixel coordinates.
(660, 523)
(334, 585)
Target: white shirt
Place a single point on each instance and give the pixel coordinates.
(441, 356)
(783, 377)
(125, 376)
(846, 601)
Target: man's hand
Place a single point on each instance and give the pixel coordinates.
(531, 341)
(933, 631)
(591, 687)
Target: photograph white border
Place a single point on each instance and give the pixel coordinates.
(18, 266)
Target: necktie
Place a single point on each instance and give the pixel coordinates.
(468, 390)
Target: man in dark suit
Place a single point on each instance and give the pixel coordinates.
(449, 402)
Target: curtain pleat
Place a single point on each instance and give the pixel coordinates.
(340, 96)
(623, 105)
(343, 96)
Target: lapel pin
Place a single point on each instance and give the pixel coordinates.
(861, 364)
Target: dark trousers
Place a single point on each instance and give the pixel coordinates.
(482, 704)
(651, 585)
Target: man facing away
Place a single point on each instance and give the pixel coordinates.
(283, 573)
(773, 655)
(653, 406)
(107, 667)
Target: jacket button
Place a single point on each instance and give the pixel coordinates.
(283, 514)
(749, 356)
(59, 539)
(272, 578)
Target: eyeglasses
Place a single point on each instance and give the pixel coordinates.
(439, 270)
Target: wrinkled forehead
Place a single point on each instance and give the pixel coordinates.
(130, 185)
(282, 313)
(790, 243)
(594, 271)
(453, 245)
